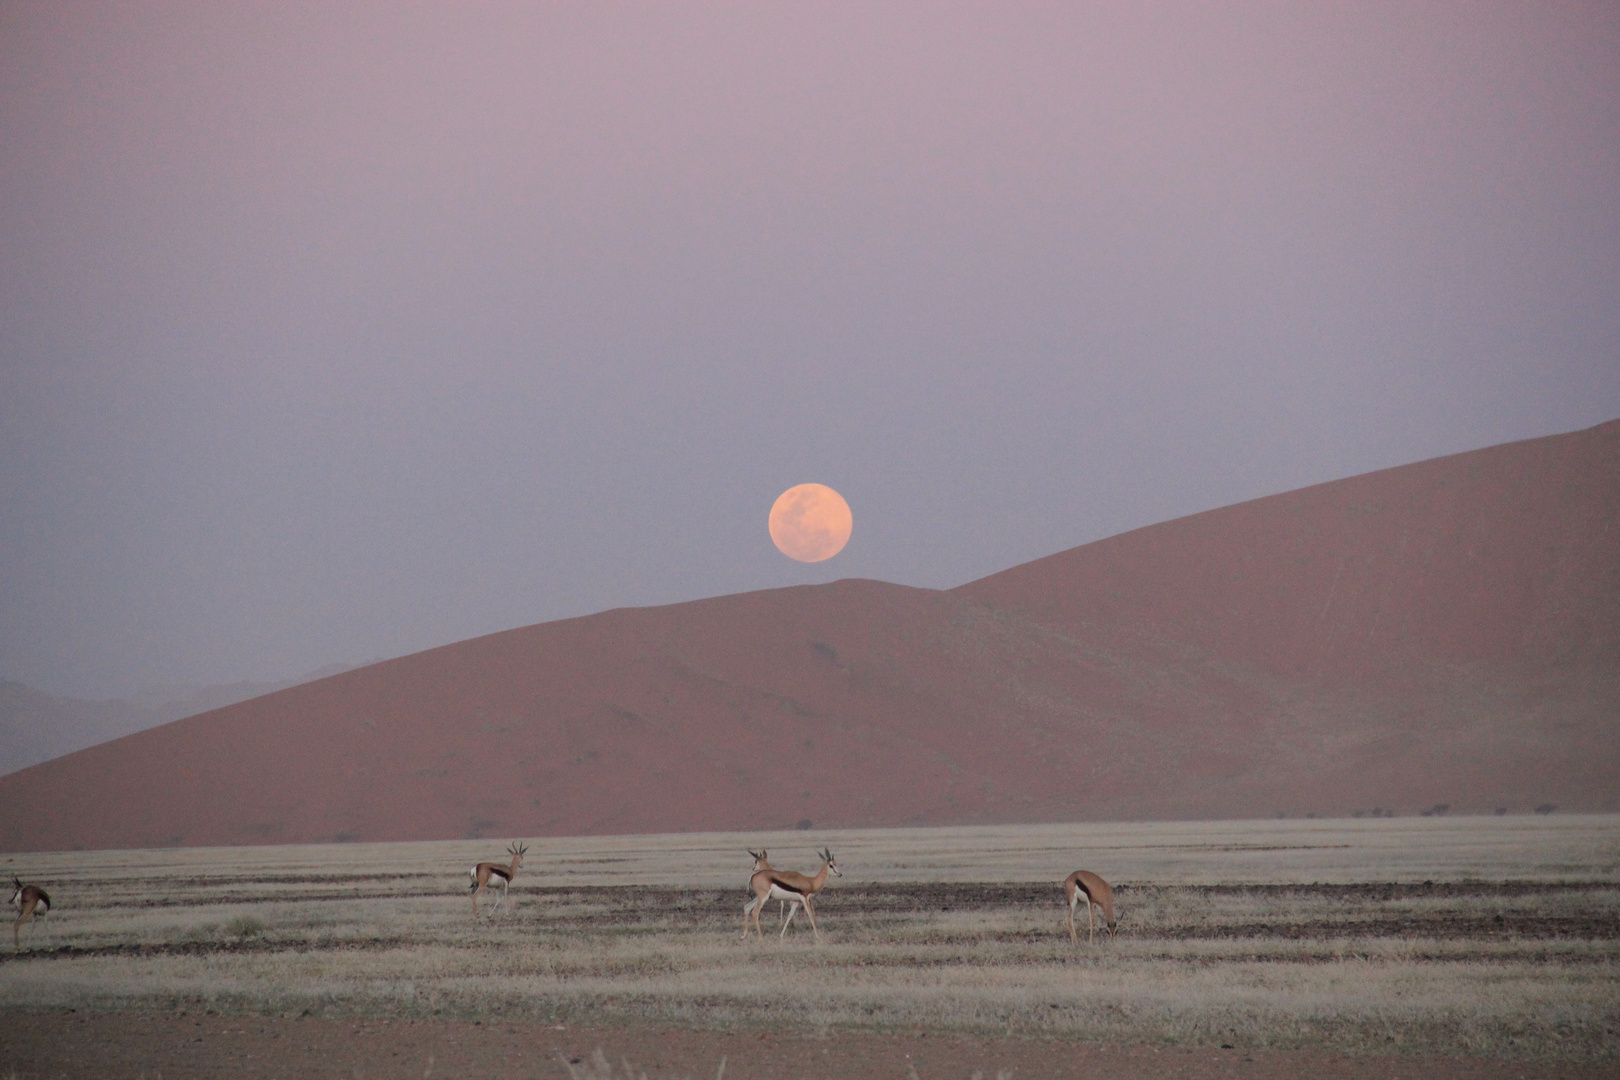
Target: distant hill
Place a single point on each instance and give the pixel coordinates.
(1440, 634)
(36, 726)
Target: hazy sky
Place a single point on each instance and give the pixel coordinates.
(331, 332)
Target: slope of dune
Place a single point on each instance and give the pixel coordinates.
(1440, 633)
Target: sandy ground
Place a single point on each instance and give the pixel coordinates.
(177, 1046)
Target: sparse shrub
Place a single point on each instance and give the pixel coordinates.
(245, 927)
(1546, 808)
(600, 1068)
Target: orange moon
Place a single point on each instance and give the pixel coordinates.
(810, 523)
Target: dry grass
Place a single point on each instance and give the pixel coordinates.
(1252, 933)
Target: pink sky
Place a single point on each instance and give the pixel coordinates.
(336, 331)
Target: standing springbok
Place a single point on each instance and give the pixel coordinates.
(486, 872)
(761, 863)
(796, 889)
(1095, 891)
(32, 902)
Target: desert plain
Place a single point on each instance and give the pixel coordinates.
(1422, 946)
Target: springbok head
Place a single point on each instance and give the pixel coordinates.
(517, 853)
(826, 853)
(17, 888)
(759, 859)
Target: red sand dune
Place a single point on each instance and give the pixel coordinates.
(1445, 632)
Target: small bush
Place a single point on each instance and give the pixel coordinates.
(244, 927)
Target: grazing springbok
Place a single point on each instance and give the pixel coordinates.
(796, 889)
(1097, 894)
(32, 902)
(487, 872)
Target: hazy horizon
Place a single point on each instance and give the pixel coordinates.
(337, 332)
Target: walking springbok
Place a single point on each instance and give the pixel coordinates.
(1083, 883)
(486, 873)
(32, 902)
(796, 889)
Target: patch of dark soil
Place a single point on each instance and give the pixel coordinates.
(177, 1046)
(210, 899)
(212, 881)
(925, 895)
(1450, 928)
(621, 905)
(208, 948)
(1406, 890)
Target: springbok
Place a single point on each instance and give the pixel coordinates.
(1097, 894)
(761, 863)
(486, 872)
(796, 889)
(32, 902)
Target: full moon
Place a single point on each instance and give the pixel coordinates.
(810, 523)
